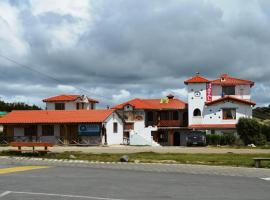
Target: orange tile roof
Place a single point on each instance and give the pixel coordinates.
(225, 79)
(66, 97)
(212, 126)
(153, 104)
(197, 79)
(244, 101)
(56, 116)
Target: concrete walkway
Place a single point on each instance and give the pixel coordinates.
(136, 149)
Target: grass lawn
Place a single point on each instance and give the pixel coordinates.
(229, 159)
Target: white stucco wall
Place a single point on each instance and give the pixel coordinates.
(114, 138)
(213, 114)
(196, 102)
(68, 105)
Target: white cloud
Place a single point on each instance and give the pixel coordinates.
(75, 8)
(64, 34)
(124, 95)
(11, 34)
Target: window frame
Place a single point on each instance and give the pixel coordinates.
(115, 127)
(45, 128)
(62, 106)
(226, 109)
(200, 112)
(224, 92)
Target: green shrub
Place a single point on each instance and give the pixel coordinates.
(265, 129)
(250, 131)
(215, 139)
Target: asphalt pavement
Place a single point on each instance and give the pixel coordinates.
(71, 182)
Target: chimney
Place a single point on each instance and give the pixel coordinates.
(170, 96)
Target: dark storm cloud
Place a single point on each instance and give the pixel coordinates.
(140, 48)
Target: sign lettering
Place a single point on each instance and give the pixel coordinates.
(208, 92)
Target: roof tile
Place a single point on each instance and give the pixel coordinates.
(56, 116)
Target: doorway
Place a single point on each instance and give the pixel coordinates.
(176, 139)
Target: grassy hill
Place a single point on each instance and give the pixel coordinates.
(262, 113)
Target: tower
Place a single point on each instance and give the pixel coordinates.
(198, 93)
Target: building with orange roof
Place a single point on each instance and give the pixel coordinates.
(216, 105)
(70, 102)
(154, 122)
(87, 127)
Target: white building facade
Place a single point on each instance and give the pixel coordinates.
(70, 102)
(217, 105)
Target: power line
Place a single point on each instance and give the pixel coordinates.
(46, 75)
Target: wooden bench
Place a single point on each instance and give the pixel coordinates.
(258, 161)
(33, 145)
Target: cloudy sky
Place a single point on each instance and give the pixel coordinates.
(114, 50)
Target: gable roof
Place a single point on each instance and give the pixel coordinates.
(153, 104)
(197, 79)
(66, 97)
(56, 116)
(225, 79)
(244, 101)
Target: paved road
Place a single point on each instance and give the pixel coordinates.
(66, 182)
(135, 149)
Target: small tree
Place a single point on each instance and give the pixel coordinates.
(249, 131)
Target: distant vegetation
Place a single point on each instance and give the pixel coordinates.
(262, 113)
(16, 106)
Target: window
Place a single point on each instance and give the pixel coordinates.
(229, 113)
(164, 115)
(30, 131)
(92, 106)
(47, 130)
(228, 90)
(115, 127)
(150, 116)
(59, 106)
(175, 115)
(78, 106)
(82, 105)
(197, 112)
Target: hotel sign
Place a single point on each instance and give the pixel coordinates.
(89, 130)
(208, 92)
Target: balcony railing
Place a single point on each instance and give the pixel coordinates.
(170, 123)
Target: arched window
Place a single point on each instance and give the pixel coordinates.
(197, 112)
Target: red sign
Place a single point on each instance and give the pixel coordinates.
(208, 92)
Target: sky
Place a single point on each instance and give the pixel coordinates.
(117, 50)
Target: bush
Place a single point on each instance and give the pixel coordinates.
(265, 129)
(250, 131)
(220, 139)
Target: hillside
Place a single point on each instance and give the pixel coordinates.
(262, 113)
(16, 106)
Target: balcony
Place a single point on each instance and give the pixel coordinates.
(170, 123)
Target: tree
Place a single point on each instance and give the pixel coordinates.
(250, 131)
(16, 106)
